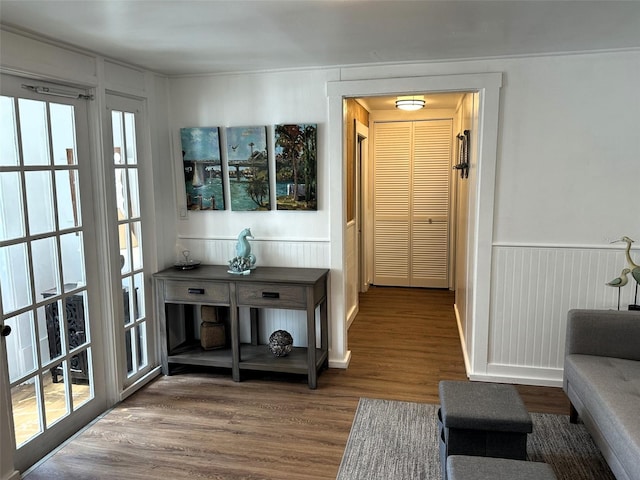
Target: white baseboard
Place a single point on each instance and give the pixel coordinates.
(463, 343)
(352, 315)
(340, 362)
(541, 377)
(500, 373)
(15, 475)
(516, 380)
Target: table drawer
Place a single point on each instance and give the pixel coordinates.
(197, 292)
(272, 295)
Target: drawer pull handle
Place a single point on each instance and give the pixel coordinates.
(270, 295)
(196, 291)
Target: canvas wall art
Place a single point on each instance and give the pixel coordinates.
(296, 166)
(202, 168)
(248, 168)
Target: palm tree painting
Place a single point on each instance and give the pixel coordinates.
(248, 168)
(296, 166)
(202, 168)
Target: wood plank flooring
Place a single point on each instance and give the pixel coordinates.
(201, 424)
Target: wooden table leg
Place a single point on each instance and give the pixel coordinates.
(235, 337)
(311, 340)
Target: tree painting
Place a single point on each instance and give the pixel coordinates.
(296, 166)
(202, 167)
(248, 168)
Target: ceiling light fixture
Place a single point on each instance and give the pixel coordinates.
(410, 104)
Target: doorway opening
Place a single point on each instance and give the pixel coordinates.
(406, 192)
(472, 310)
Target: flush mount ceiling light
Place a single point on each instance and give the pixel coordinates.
(410, 103)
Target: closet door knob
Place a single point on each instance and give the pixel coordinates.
(6, 330)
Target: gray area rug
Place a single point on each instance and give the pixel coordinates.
(394, 440)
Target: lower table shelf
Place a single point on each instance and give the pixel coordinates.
(252, 357)
(193, 354)
(259, 357)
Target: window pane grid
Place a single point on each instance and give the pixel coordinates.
(41, 249)
(130, 240)
(8, 134)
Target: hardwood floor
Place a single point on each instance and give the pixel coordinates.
(201, 424)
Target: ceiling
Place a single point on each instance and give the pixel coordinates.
(207, 36)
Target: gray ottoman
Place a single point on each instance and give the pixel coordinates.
(460, 467)
(482, 419)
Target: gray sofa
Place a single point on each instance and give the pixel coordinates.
(602, 381)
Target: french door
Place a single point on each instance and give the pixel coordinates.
(132, 277)
(48, 267)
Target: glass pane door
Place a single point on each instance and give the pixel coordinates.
(127, 171)
(45, 289)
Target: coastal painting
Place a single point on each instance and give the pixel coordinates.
(248, 168)
(202, 168)
(295, 148)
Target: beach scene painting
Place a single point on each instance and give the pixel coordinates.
(202, 168)
(248, 168)
(295, 148)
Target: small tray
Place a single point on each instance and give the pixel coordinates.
(187, 265)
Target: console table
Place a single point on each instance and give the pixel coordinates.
(266, 287)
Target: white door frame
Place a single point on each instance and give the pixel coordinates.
(362, 194)
(127, 386)
(39, 446)
(480, 237)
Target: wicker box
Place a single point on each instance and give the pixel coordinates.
(209, 314)
(212, 335)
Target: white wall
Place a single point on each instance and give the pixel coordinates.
(565, 176)
(568, 165)
(282, 238)
(566, 126)
(564, 163)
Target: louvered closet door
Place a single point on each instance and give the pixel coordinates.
(430, 203)
(392, 166)
(411, 203)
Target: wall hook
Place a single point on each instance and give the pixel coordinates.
(463, 154)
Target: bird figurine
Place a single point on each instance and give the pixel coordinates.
(620, 282)
(633, 267)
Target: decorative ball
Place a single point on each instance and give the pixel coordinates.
(280, 343)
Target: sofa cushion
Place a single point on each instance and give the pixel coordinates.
(609, 388)
(606, 333)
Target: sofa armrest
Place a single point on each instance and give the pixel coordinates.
(605, 333)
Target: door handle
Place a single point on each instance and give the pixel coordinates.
(6, 330)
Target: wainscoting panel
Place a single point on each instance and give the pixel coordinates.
(271, 253)
(533, 288)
